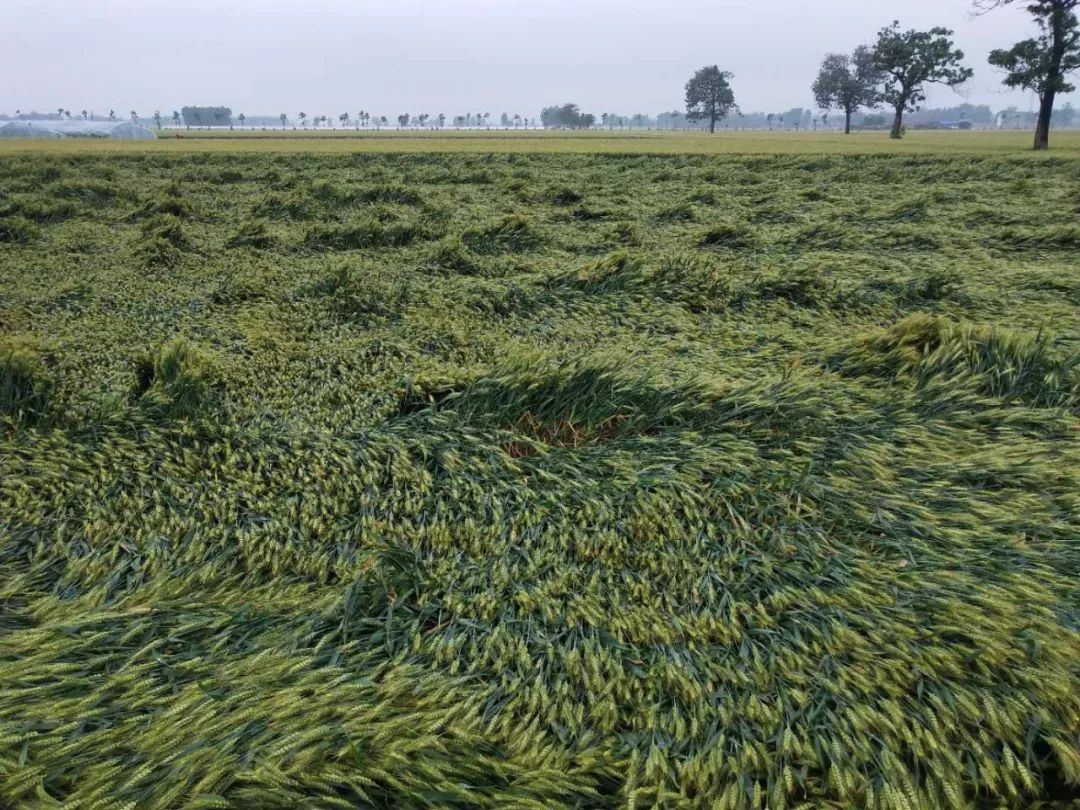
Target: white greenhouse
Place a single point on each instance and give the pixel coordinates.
(76, 128)
(26, 129)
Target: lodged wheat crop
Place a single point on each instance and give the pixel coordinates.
(535, 481)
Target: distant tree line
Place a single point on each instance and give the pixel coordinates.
(962, 116)
(894, 73)
(345, 120)
(57, 115)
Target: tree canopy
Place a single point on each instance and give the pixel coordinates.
(910, 60)
(207, 116)
(567, 116)
(1028, 64)
(847, 83)
(709, 96)
(1036, 7)
(1042, 64)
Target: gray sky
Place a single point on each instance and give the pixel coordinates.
(453, 56)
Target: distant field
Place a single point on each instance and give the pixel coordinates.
(581, 481)
(334, 141)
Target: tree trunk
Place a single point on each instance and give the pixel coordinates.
(712, 123)
(898, 124)
(1059, 24)
(847, 122)
(1042, 126)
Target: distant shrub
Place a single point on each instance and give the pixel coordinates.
(25, 385)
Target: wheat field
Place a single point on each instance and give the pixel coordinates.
(332, 479)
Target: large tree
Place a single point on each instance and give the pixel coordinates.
(910, 60)
(847, 83)
(709, 96)
(215, 116)
(1044, 63)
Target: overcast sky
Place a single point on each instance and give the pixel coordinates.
(453, 56)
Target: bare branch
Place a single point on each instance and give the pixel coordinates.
(984, 6)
